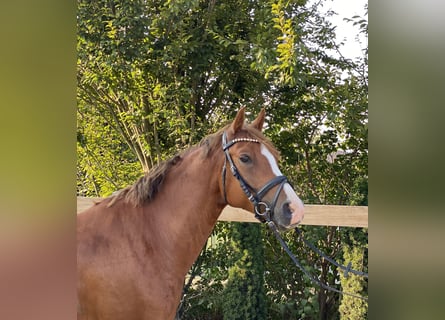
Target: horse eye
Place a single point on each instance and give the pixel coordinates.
(244, 158)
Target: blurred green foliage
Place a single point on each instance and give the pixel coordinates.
(154, 77)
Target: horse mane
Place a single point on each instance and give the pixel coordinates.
(147, 187)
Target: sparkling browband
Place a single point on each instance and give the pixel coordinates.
(245, 140)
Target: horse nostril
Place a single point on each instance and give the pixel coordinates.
(287, 209)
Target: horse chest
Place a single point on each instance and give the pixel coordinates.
(113, 294)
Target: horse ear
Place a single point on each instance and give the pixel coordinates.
(259, 121)
(238, 123)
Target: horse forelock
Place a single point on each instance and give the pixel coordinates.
(253, 133)
(213, 141)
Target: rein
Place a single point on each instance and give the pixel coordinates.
(264, 213)
(347, 269)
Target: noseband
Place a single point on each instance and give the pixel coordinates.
(263, 211)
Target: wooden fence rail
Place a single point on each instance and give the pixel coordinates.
(319, 215)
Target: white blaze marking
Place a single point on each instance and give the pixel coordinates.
(273, 164)
(290, 193)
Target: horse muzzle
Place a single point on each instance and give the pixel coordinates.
(289, 214)
(294, 211)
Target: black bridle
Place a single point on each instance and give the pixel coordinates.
(263, 211)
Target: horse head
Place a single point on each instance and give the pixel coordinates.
(251, 178)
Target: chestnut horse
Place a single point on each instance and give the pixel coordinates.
(135, 248)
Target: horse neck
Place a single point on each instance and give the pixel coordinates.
(188, 207)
